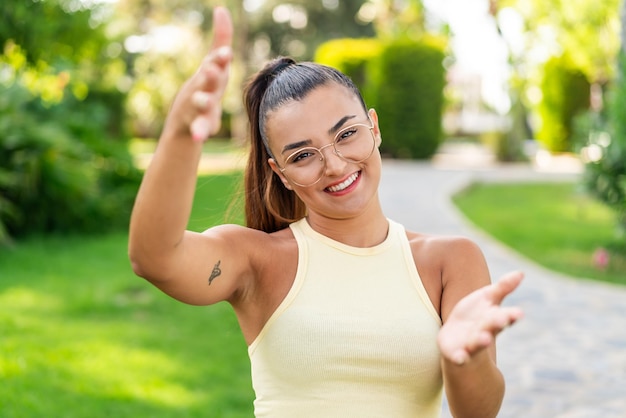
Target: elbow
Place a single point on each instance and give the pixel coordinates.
(144, 266)
(143, 260)
(137, 268)
(138, 265)
(156, 269)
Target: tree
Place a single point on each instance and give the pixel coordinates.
(61, 30)
(395, 18)
(584, 31)
(63, 165)
(296, 28)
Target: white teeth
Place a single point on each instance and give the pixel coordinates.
(343, 185)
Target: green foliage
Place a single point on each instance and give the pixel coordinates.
(303, 25)
(408, 79)
(396, 19)
(586, 30)
(52, 30)
(566, 92)
(351, 56)
(606, 177)
(62, 165)
(58, 173)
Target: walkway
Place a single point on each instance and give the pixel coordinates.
(567, 357)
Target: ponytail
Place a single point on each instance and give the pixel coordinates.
(269, 206)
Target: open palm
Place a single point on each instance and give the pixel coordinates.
(477, 318)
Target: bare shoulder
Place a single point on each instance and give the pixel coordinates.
(245, 237)
(449, 267)
(444, 249)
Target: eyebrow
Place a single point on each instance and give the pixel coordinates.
(339, 124)
(307, 142)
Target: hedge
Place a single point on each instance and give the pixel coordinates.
(566, 92)
(408, 80)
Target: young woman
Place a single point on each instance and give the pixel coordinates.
(345, 313)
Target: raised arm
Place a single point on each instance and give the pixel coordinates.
(472, 317)
(161, 250)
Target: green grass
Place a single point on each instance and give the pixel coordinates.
(555, 225)
(82, 336)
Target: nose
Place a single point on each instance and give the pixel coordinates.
(333, 163)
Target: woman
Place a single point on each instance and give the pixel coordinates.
(345, 313)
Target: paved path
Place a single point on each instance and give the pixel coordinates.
(567, 357)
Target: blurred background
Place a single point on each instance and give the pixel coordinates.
(85, 86)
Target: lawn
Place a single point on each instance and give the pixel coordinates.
(82, 336)
(556, 225)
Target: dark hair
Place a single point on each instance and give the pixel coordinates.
(269, 206)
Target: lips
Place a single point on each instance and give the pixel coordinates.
(344, 184)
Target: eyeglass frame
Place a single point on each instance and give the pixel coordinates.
(335, 151)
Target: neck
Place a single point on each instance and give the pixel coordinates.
(363, 230)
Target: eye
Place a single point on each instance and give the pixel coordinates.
(302, 156)
(347, 134)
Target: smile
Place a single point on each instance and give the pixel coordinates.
(344, 184)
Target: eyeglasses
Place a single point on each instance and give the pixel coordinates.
(354, 144)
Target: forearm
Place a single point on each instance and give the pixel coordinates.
(165, 197)
(474, 389)
(164, 201)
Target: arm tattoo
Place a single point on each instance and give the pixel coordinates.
(216, 272)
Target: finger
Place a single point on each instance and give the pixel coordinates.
(200, 100)
(460, 357)
(479, 341)
(501, 318)
(222, 28)
(503, 287)
(220, 53)
(200, 128)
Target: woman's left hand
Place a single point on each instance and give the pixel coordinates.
(477, 319)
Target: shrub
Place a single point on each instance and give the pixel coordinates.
(566, 92)
(351, 56)
(408, 80)
(58, 170)
(605, 177)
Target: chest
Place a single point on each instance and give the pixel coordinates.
(352, 319)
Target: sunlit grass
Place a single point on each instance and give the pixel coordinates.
(556, 225)
(82, 336)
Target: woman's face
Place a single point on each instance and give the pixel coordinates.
(300, 131)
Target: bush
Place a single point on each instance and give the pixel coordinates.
(605, 177)
(351, 57)
(408, 80)
(566, 93)
(58, 170)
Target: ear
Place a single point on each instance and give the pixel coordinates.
(276, 170)
(376, 129)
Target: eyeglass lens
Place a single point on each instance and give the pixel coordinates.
(355, 144)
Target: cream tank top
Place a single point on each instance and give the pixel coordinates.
(354, 337)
